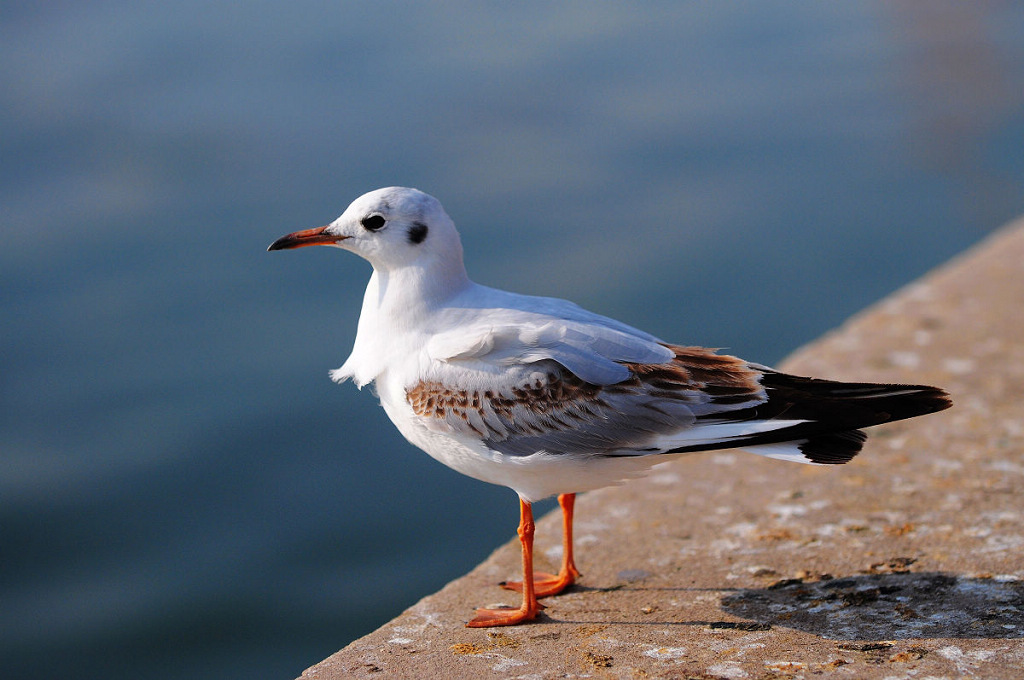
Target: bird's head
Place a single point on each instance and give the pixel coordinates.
(392, 228)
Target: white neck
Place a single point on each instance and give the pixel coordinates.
(406, 295)
(395, 302)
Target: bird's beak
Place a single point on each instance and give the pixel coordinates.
(306, 237)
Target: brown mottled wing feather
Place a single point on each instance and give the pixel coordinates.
(545, 407)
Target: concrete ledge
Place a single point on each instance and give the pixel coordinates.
(905, 562)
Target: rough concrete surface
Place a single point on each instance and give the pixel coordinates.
(905, 563)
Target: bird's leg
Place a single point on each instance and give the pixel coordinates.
(486, 618)
(568, 574)
(552, 584)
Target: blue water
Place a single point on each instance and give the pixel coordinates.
(183, 493)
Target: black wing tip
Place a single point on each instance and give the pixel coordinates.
(900, 402)
(849, 405)
(910, 401)
(833, 448)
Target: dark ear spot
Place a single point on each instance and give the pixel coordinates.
(417, 232)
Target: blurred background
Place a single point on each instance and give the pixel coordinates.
(184, 493)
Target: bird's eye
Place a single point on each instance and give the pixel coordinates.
(373, 222)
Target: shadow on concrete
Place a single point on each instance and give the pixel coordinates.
(890, 606)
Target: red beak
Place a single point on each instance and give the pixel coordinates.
(306, 237)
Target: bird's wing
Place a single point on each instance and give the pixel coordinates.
(546, 405)
(592, 350)
(697, 401)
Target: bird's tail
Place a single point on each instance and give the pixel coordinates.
(828, 415)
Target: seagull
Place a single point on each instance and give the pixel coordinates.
(549, 399)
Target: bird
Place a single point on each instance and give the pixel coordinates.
(544, 397)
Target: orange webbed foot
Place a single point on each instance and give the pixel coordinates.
(544, 584)
(487, 618)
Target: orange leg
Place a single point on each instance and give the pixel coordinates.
(551, 584)
(486, 618)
